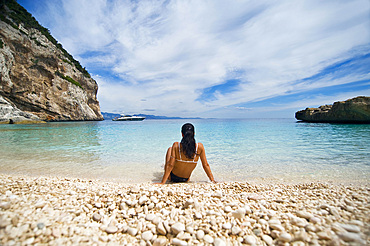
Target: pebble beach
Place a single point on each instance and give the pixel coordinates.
(70, 211)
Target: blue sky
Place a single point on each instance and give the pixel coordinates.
(233, 59)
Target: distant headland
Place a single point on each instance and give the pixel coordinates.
(354, 111)
(109, 116)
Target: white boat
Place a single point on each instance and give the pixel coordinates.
(128, 118)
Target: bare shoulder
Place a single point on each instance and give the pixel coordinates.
(200, 146)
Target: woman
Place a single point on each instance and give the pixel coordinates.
(182, 158)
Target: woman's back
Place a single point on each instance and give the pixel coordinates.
(184, 166)
(182, 157)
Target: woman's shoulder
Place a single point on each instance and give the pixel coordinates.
(200, 146)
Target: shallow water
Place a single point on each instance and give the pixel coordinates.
(279, 150)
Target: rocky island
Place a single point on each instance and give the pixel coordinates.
(39, 80)
(355, 110)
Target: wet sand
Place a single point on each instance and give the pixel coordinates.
(71, 211)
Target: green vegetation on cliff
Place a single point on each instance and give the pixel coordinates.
(14, 14)
(69, 79)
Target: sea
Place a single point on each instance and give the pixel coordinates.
(243, 150)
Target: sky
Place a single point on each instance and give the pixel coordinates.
(215, 58)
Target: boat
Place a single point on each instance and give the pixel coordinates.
(128, 118)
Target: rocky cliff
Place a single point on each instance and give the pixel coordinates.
(39, 80)
(355, 110)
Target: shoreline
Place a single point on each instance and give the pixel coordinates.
(53, 211)
(199, 176)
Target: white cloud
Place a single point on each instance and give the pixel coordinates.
(167, 52)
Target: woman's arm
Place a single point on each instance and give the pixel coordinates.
(205, 164)
(169, 165)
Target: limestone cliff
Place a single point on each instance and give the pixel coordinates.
(355, 110)
(39, 80)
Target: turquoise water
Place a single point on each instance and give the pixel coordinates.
(279, 150)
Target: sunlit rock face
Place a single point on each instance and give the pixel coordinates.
(37, 76)
(355, 110)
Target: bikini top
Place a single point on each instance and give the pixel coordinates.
(195, 155)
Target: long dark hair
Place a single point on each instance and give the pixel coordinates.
(188, 141)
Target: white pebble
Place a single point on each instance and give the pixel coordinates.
(160, 229)
(29, 241)
(248, 210)
(56, 232)
(217, 194)
(5, 205)
(250, 240)
(147, 235)
(97, 217)
(323, 235)
(143, 199)
(135, 189)
(350, 237)
(103, 238)
(151, 206)
(177, 228)
(189, 202)
(304, 214)
(179, 242)
(183, 236)
(239, 213)
(334, 211)
(299, 222)
(40, 204)
(277, 227)
(111, 229)
(268, 240)
(310, 227)
(150, 217)
(154, 199)
(219, 242)
(131, 211)
(198, 215)
(190, 229)
(167, 226)
(160, 241)
(132, 231)
(315, 220)
(286, 237)
(235, 230)
(208, 239)
(356, 222)
(72, 193)
(227, 209)
(200, 234)
(350, 228)
(227, 226)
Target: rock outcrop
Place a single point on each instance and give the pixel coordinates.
(39, 80)
(355, 110)
(9, 113)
